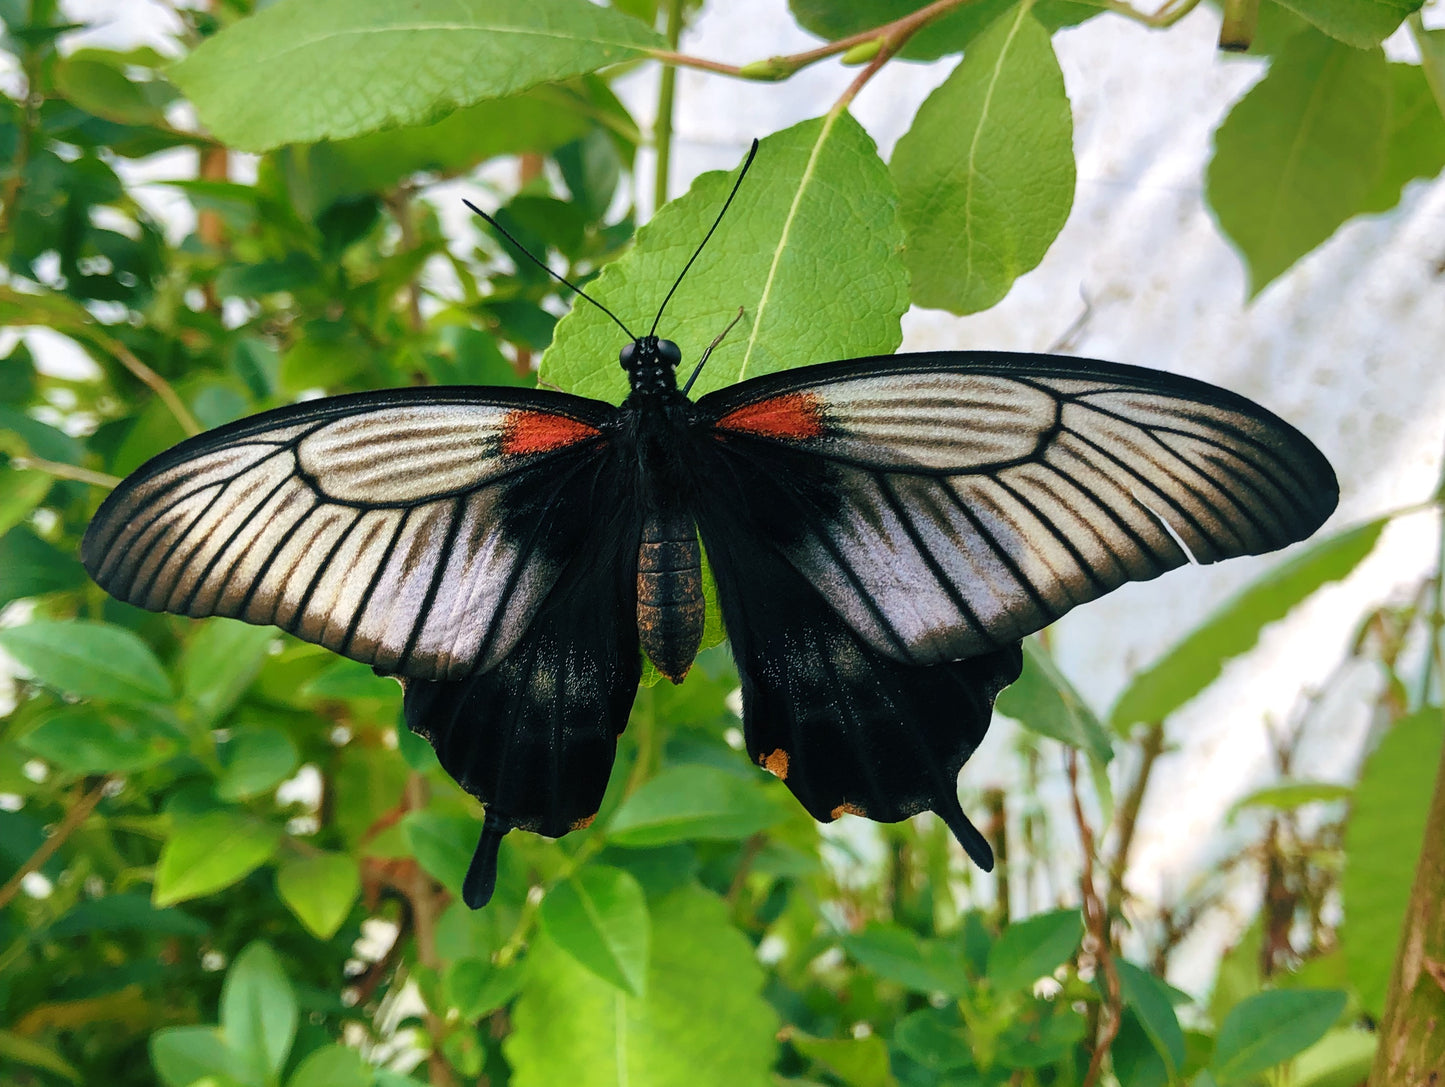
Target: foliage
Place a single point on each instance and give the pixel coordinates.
(224, 861)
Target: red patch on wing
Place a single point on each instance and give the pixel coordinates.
(541, 432)
(793, 416)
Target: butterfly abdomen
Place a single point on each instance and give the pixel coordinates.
(670, 607)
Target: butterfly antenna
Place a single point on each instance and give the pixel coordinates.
(716, 340)
(542, 265)
(752, 152)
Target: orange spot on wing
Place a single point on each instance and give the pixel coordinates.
(541, 432)
(793, 416)
(775, 764)
(848, 809)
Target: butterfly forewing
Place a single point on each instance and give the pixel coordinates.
(411, 530)
(948, 504)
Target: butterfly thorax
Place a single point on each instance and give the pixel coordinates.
(670, 608)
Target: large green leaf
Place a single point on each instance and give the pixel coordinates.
(1416, 139)
(1299, 154)
(89, 739)
(1148, 997)
(256, 759)
(1271, 1027)
(332, 1066)
(320, 890)
(1027, 950)
(207, 852)
(1193, 663)
(29, 566)
(305, 70)
(857, 1062)
(219, 662)
(442, 844)
(258, 1009)
(1361, 23)
(898, 955)
(809, 250)
(702, 1023)
(599, 917)
(953, 32)
(686, 802)
(89, 660)
(183, 1055)
(20, 492)
(1043, 700)
(986, 173)
(1383, 836)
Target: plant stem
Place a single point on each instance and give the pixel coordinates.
(1128, 816)
(73, 818)
(64, 471)
(775, 69)
(1096, 920)
(666, 94)
(422, 898)
(1169, 14)
(1412, 1049)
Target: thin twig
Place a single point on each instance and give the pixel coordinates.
(1128, 815)
(424, 910)
(666, 94)
(775, 69)
(67, 826)
(1096, 920)
(64, 471)
(1167, 15)
(157, 384)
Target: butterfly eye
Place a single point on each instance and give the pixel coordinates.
(669, 352)
(626, 355)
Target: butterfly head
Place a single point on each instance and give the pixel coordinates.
(651, 364)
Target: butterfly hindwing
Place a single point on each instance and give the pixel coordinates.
(848, 729)
(534, 737)
(412, 530)
(948, 504)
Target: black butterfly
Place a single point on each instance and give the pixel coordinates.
(883, 531)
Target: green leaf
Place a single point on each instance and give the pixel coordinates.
(1136, 1058)
(182, 1055)
(89, 660)
(29, 566)
(258, 1009)
(207, 852)
(951, 33)
(332, 1066)
(686, 802)
(320, 890)
(1383, 836)
(897, 954)
(1290, 795)
(1299, 154)
(87, 739)
(22, 1050)
(1415, 145)
(703, 1022)
(986, 173)
(125, 913)
(442, 844)
(1271, 1027)
(599, 917)
(1361, 23)
(1148, 996)
(925, 1038)
(20, 492)
(96, 82)
(475, 987)
(538, 121)
(326, 69)
(350, 679)
(1043, 700)
(219, 663)
(856, 1062)
(255, 760)
(1027, 950)
(814, 232)
(1193, 663)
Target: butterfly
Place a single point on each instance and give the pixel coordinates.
(882, 532)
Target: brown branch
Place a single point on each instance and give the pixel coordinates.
(1128, 815)
(775, 69)
(1412, 1048)
(1096, 921)
(998, 834)
(67, 826)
